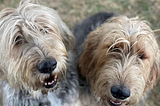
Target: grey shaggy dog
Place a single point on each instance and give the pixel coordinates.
(37, 66)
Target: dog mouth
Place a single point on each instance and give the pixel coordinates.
(114, 103)
(50, 82)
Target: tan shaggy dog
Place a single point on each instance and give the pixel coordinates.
(34, 47)
(120, 60)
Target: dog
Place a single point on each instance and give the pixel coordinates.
(36, 60)
(118, 60)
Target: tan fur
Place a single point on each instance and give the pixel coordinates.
(122, 51)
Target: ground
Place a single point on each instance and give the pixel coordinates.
(73, 11)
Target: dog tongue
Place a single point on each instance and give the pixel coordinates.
(116, 102)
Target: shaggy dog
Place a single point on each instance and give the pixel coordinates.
(120, 59)
(34, 51)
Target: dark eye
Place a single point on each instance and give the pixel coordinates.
(115, 50)
(18, 40)
(142, 56)
(45, 30)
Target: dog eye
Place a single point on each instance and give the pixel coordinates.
(44, 30)
(142, 56)
(115, 50)
(18, 40)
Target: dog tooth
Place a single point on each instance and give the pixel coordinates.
(45, 83)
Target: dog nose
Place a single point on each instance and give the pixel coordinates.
(120, 92)
(47, 65)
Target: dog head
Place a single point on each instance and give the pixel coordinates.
(121, 61)
(34, 45)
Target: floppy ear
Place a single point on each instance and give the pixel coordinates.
(85, 61)
(154, 73)
(4, 14)
(67, 37)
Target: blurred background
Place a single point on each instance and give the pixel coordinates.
(74, 11)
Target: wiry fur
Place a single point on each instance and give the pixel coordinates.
(29, 34)
(121, 51)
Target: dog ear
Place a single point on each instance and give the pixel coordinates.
(86, 62)
(67, 37)
(154, 73)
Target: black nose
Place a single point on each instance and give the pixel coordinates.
(120, 92)
(47, 65)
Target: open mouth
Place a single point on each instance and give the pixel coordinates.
(50, 82)
(114, 103)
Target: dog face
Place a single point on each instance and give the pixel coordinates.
(34, 47)
(120, 60)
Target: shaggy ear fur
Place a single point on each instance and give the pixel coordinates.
(4, 13)
(85, 62)
(154, 74)
(67, 37)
